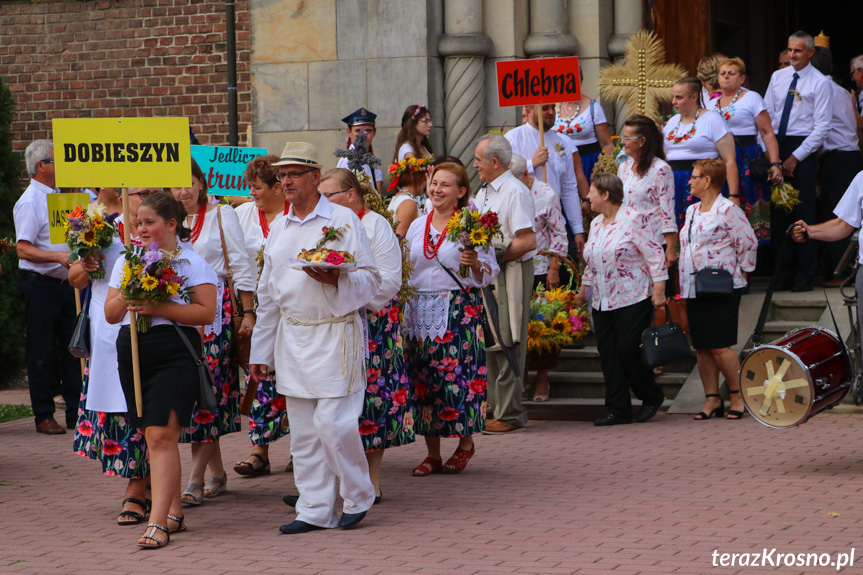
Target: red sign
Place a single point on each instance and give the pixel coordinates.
(542, 81)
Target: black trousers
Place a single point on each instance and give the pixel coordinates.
(49, 320)
(618, 335)
(798, 260)
(835, 171)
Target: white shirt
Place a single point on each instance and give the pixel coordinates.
(250, 222)
(388, 258)
(31, 225)
(843, 122)
(406, 149)
(581, 129)
(343, 163)
(810, 115)
(740, 116)
(850, 208)
(195, 270)
(512, 202)
(209, 246)
(299, 332)
(560, 173)
(701, 145)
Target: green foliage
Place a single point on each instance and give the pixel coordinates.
(11, 307)
(13, 412)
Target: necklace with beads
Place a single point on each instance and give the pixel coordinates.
(429, 249)
(673, 136)
(577, 109)
(262, 218)
(728, 111)
(199, 223)
(121, 230)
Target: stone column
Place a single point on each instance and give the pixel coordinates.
(548, 33)
(465, 47)
(627, 19)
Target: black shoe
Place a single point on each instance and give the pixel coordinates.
(612, 419)
(802, 285)
(291, 500)
(647, 411)
(351, 519)
(379, 498)
(784, 284)
(298, 527)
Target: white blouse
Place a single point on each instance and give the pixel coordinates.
(250, 222)
(700, 145)
(209, 246)
(388, 257)
(651, 195)
(406, 149)
(581, 129)
(740, 116)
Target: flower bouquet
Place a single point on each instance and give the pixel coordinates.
(784, 196)
(555, 321)
(89, 232)
(6, 246)
(150, 276)
(472, 230)
(408, 165)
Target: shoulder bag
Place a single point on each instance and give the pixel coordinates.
(79, 345)
(709, 281)
(759, 168)
(664, 343)
(242, 344)
(206, 381)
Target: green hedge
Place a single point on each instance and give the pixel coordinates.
(11, 308)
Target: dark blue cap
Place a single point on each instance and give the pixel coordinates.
(359, 118)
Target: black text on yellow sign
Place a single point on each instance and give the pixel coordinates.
(122, 152)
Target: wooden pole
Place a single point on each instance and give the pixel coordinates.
(537, 110)
(133, 329)
(78, 312)
(252, 387)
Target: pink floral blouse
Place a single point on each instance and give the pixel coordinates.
(652, 195)
(623, 260)
(721, 238)
(549, 224)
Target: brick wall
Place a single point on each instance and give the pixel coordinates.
(123, 58)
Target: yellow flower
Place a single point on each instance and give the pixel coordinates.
(455, 221)
(478, 237)
(88, 238)
(560, 323)
(474, 214)
(173, 289)
(149, 283)
(98, 223)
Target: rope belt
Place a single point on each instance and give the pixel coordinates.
(348, 371)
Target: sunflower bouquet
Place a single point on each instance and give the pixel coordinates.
(150, 276)
(784, 196)
(555, 321)
(472, 230)
(88, 232)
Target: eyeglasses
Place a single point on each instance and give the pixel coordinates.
(331, 194)
(143, 193)
(48, 161)
(630, 138)
(696, 177)
(426, 121)
(294, 176)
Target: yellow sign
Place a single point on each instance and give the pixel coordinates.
(58, 206)
(122, 152)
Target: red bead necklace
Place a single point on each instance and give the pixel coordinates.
(121, 230)
(262, 218)
(430, 250)
(199, 223)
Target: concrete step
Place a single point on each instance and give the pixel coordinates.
(774, 330)
(591, 384)
(801, 310)
(570, 409)
(587, 359)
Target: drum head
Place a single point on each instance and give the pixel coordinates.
(775, 387)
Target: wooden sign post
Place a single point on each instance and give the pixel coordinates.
(538, 82)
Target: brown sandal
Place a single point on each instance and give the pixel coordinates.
(459, 459)
(427, 467)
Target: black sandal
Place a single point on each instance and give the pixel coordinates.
(150, 535)
(733, 413)
(249, 470)
(718, 412)
(136, 517)
(181, 520)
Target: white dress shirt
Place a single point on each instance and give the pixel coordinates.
(842, 136)
(388, 258)
(810, 114)
(512, 202)
(560, 173)
(31, 225)
(850, 208)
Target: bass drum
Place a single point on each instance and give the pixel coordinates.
(794, 378)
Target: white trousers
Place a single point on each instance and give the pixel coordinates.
(326, 446)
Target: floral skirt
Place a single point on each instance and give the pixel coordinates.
(110, 439)
(448, 374)
(754, 195)
(207, 426)
(387, 417)
(268, 418)
(683, 197)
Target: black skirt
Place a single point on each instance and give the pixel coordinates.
(169, 376)
(713, 320)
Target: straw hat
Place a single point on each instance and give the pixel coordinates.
(299, 154)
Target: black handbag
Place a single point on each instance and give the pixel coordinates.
(206, 381)
(710, 281)
(79, 345)
(759, 168)
(665, 343)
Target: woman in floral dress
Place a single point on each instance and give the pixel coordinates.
(387, 418)
(443, 332)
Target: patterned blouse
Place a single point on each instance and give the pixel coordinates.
(651, 195)
(624, 260)
(549, 224)
(721, 238)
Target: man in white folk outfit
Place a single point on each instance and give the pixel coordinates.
(309, 330)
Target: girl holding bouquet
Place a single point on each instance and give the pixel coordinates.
(169, 375)
(443, 332)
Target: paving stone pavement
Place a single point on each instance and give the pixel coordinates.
(563, 497)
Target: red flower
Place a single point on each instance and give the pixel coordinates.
(372, 374)
(448, 364)
(449, 413)
(393, 314)
(85, 428)
(111, 447)
(101, 418)
(421, 390)
(279, 403)
(477, 385)
(204, 416)
(372, 346)
(400, 397)
(470, 311)
(447, 337)
(368, 427)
